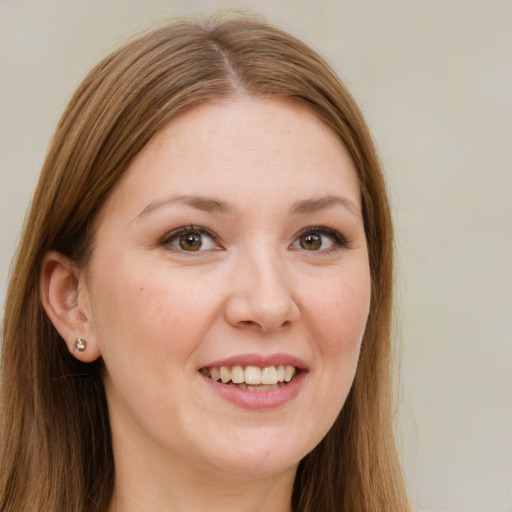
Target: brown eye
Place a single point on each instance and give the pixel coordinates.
(319, 239)
(311, 242)
(190, 241)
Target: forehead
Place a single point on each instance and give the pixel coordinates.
(235, 148)
(249, 125)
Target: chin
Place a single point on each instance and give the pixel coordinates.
(262, 454)
(258, 469)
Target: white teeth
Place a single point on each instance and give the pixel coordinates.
(225, 374)
(252, 377)
(237, 375)
(269, 375)
(263, 387)
(215, 373)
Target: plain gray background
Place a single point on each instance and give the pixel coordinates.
(434, 79)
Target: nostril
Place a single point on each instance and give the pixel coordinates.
(248, 323)
(263, 327)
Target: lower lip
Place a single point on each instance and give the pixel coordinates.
(258, 400)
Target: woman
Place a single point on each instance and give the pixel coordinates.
(199, 313)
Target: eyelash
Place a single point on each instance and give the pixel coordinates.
(191, 230)
(337, 239)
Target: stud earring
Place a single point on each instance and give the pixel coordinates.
(80, 345)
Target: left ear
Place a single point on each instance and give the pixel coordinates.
(65, 299)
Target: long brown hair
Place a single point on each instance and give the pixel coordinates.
(56, 451)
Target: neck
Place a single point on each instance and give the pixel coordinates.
(197, 491)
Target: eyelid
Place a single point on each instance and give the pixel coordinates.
(174, 234)
(339, 241)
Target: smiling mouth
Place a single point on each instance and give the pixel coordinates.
(252, 378)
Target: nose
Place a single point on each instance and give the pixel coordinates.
(262, 296)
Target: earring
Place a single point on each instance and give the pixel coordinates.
(80, 345)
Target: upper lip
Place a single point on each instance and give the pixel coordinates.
(259, 360)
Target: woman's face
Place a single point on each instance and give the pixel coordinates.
(233, 248)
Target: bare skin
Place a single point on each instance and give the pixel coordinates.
(236, 235)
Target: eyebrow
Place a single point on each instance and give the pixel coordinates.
(205, 204)
(323, 203)
(211, 205)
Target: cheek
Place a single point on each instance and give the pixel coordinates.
(339, 317)
(146, 311)
(340, 313)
